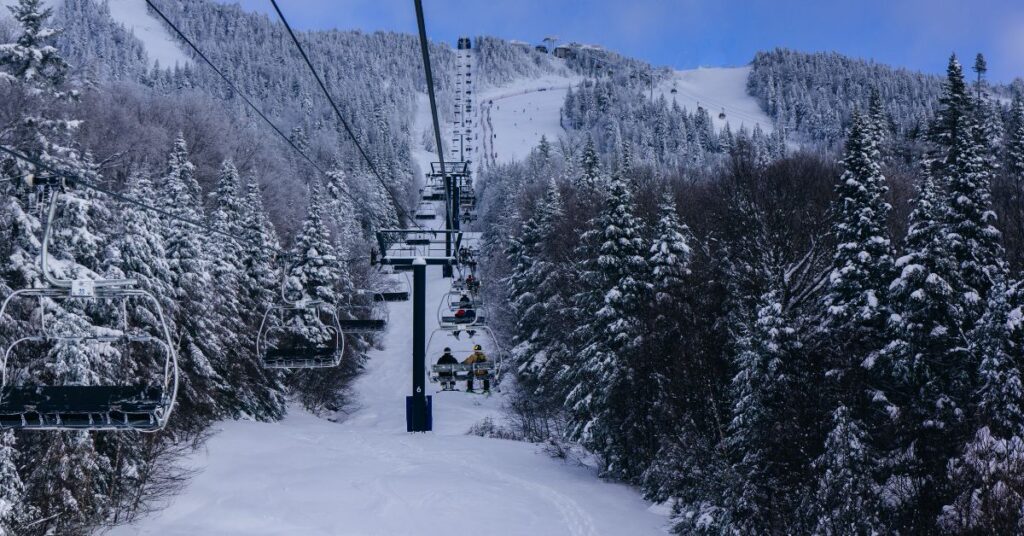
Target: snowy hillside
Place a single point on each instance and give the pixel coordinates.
(514, 117)
(146, 27)
(720, 90)
(160, 46)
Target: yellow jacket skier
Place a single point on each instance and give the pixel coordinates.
(477, 357)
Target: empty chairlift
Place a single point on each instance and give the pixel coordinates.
(55, 336)
(363, 313)
(300, 334)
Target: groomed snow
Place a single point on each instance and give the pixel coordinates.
(160, 46)
(514, 117)
(718, 89)
(366, 476)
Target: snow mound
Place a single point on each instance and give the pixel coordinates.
(719, 89)
(160, 45)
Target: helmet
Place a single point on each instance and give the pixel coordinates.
(477, 347)
(447, 350)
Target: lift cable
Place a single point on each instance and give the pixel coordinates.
(425, 52)
(238, 92)
(341, 118)
(79, 181)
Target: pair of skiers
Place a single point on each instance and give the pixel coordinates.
(447, 378)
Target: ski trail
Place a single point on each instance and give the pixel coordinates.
(364, 475)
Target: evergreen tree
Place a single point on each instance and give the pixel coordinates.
(854, 329)
(847, 498)
(252, 391)
(927, 368)
(862, 262)
(32, 60)
(590, 164)
(313, 273)
(990, 477)
(603, 414)
(195, 315)
(1015, 141)
(764, 435)
(11, 489)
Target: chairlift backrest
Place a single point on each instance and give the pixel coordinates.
(143, 407)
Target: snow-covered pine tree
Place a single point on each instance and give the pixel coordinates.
(987, 479)
(1015, 139)
(32, 60)
(974, 240)
(847, 499)
(862, 265)
(12, 507)
(313, 272)
(927, 366)
(195, 317)
(604, 412)
(252, 390)
(263, 280)
(669, 264)
(590, 165)
(854, 329)
(764, 436)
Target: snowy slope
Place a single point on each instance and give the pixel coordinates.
(160, 46)
(135, 16)
(717, 89)
(514, 117)
(366, 475)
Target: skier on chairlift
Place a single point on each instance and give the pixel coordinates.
(447, 377)
(477, 357)
(472, 283)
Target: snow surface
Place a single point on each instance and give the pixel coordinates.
(515, 116)
(365, 475)
(717, 89)
(147, 27)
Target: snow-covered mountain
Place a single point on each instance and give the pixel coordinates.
(156, 38)
(664, 278)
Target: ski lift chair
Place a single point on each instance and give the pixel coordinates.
(24, 404)
(489, 370)
(451, 315)
(364, 313)
(299, 334)
(280, 346)
(399, 295)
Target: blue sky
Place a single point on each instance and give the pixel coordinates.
(918, 34)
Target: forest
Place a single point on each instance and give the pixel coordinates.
(808, 329)
(777, 338)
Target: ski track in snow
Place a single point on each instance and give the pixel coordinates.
(366, 476)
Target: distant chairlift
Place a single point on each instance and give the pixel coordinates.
(144, 407)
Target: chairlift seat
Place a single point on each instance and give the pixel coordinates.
(391, 296)
(363, 325)
(418, 242)
(80, 406)
(301, 357)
